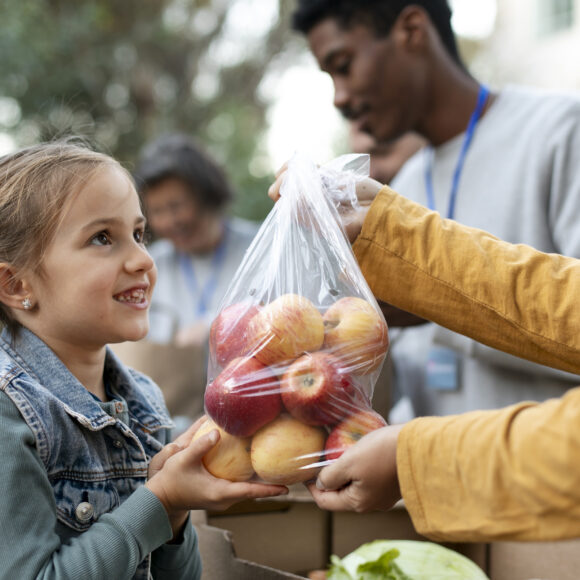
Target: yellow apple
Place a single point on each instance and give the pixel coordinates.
(284, 329)
(286, 451)
(230, 458)
(356, 333)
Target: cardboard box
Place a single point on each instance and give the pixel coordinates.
(220, 561)
(534, 560)
(295, 536)
(291, 537)
(290, 534)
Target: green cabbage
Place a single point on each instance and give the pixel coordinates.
(404, 560)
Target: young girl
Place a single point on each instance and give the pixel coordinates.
(90, 486)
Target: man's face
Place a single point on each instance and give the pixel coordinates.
(375, 84)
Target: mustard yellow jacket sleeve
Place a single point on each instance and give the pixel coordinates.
(513, 473)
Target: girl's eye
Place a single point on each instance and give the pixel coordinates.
(101, 239)
(139, 235)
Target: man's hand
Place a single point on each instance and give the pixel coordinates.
(364, 477)
(352, 218)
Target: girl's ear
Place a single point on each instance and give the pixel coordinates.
(14, 291)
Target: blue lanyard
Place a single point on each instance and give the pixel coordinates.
(210, 286)
(429, 154)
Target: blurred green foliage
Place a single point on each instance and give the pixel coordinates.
(121, 72)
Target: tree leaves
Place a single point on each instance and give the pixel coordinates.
(121, 73)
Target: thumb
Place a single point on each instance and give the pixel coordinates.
(367, 189)
(199, 447)
(333, 476)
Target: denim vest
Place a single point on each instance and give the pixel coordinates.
(95, 454)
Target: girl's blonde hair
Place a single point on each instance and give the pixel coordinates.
(37, 185)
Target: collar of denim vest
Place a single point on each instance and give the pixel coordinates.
(39, 360)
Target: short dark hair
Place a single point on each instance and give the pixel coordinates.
(179, 156)
(380, 15)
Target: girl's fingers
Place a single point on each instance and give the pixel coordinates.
(256, 490)
(198, 448)
(236, 491)
(159, 459)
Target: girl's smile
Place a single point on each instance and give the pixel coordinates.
(136, 296)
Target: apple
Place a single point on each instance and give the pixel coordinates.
(284, 329)
(287, 451)
(243, 397)
(351, 430)
(317, 389)
(357, 333)
(228, 332)
(230, 457)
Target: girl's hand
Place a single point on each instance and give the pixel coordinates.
(352, 218)
(179, 444)
(181, 482)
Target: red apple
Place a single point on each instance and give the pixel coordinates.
(287, 451)
(357, 333)
(284, 329)
(351, 430)
(230, 458)
(317, 389)
(228, 332)
(243, 397)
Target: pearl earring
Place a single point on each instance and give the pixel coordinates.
(26, 304)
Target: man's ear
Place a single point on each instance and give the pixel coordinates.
(411, 29)
(13, 289)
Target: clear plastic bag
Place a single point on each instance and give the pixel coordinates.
(299, 342)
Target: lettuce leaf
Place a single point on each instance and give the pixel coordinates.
(383, 568)
(337, 571)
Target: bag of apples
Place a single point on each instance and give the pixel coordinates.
(299, 342)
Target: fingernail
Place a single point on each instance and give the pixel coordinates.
(213, 437)
(319, 484)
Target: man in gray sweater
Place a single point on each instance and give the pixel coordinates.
(507, 162)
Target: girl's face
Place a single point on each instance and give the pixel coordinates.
(97, 277)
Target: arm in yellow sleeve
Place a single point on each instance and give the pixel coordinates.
(506, 474)
(495, 475)
(510, 297)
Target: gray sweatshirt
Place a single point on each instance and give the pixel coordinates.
(520, 182)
